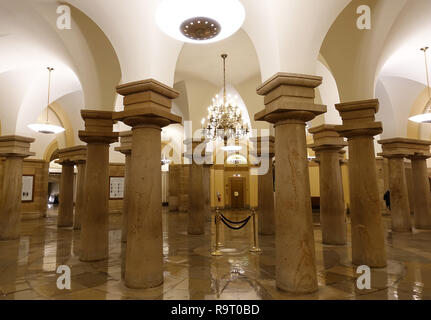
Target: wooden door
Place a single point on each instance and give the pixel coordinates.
(237, 193)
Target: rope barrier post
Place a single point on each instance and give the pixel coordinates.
(216, 252)
(255, 248)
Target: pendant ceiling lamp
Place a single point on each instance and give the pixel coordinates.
(46, 127)
(426, 116)
(200, 21)
(225, 120)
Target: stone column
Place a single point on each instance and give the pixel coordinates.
(80, 195)
(368, 238)
(419, 152)
(328, 144)
(65, 207)
(184, 188)
(395, 150)
(126, 149)
(207, 191)
(266, 214)
(69, 157)
(173, 198)
(95, 221)
(196, 220)
(147, 106)
(14, 149)
(289, 103)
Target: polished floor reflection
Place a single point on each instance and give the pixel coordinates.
(28, 266)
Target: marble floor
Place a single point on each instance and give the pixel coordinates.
(28, 266)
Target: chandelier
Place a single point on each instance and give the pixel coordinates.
(200, 21)
(46, 127)
(426, 116)
(225, 120)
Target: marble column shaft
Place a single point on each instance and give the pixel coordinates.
(95, 221)
(368, 238)
(147, 107)
(327, 145)
(422, 195)
(126, 149)
(196, 219)
(65, 207)
(289, 103)
(174, 181)
(266, 211)
(14, 149)
(80, 195)
(400, 208)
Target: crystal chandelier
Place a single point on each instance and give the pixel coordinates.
(426, 116)
(46, 127)
(225, 120)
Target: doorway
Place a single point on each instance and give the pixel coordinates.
(237, 193)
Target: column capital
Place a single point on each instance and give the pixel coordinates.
(359, 118)
(73, 155)
(326, 137)
(15, 146)
(147, 102)
(126, 143)
(405, 148)
(257, 142)
(289, 96)
(98, 127)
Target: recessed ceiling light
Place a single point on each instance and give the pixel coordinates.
(223, 16)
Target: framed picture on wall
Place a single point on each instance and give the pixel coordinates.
(27, 188)
(116, 188)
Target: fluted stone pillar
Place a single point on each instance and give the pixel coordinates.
(289, 103)
(174, 186)
(266, 214)
(14, 149)
(98, 135)
(395, 150)
(65, 206)
(147, 106)
(126, 149)
(359, 127)
(328, 144)
(196, 220)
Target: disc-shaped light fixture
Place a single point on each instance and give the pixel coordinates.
(426, 116)
(47, 127)
(200, 21)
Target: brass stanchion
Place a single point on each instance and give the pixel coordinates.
(255, 248)
(216, 252)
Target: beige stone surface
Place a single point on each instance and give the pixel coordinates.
(289, 103)
(147, 109)
(65, 198)
(36, 208)
(421, 191)
(80, 195)
(174, 186)
(368, 247)
(266, 196)
(327, 145)
(196, 224)
(98, 135)
(14, 149)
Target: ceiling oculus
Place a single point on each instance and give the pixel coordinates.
(200, 21)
